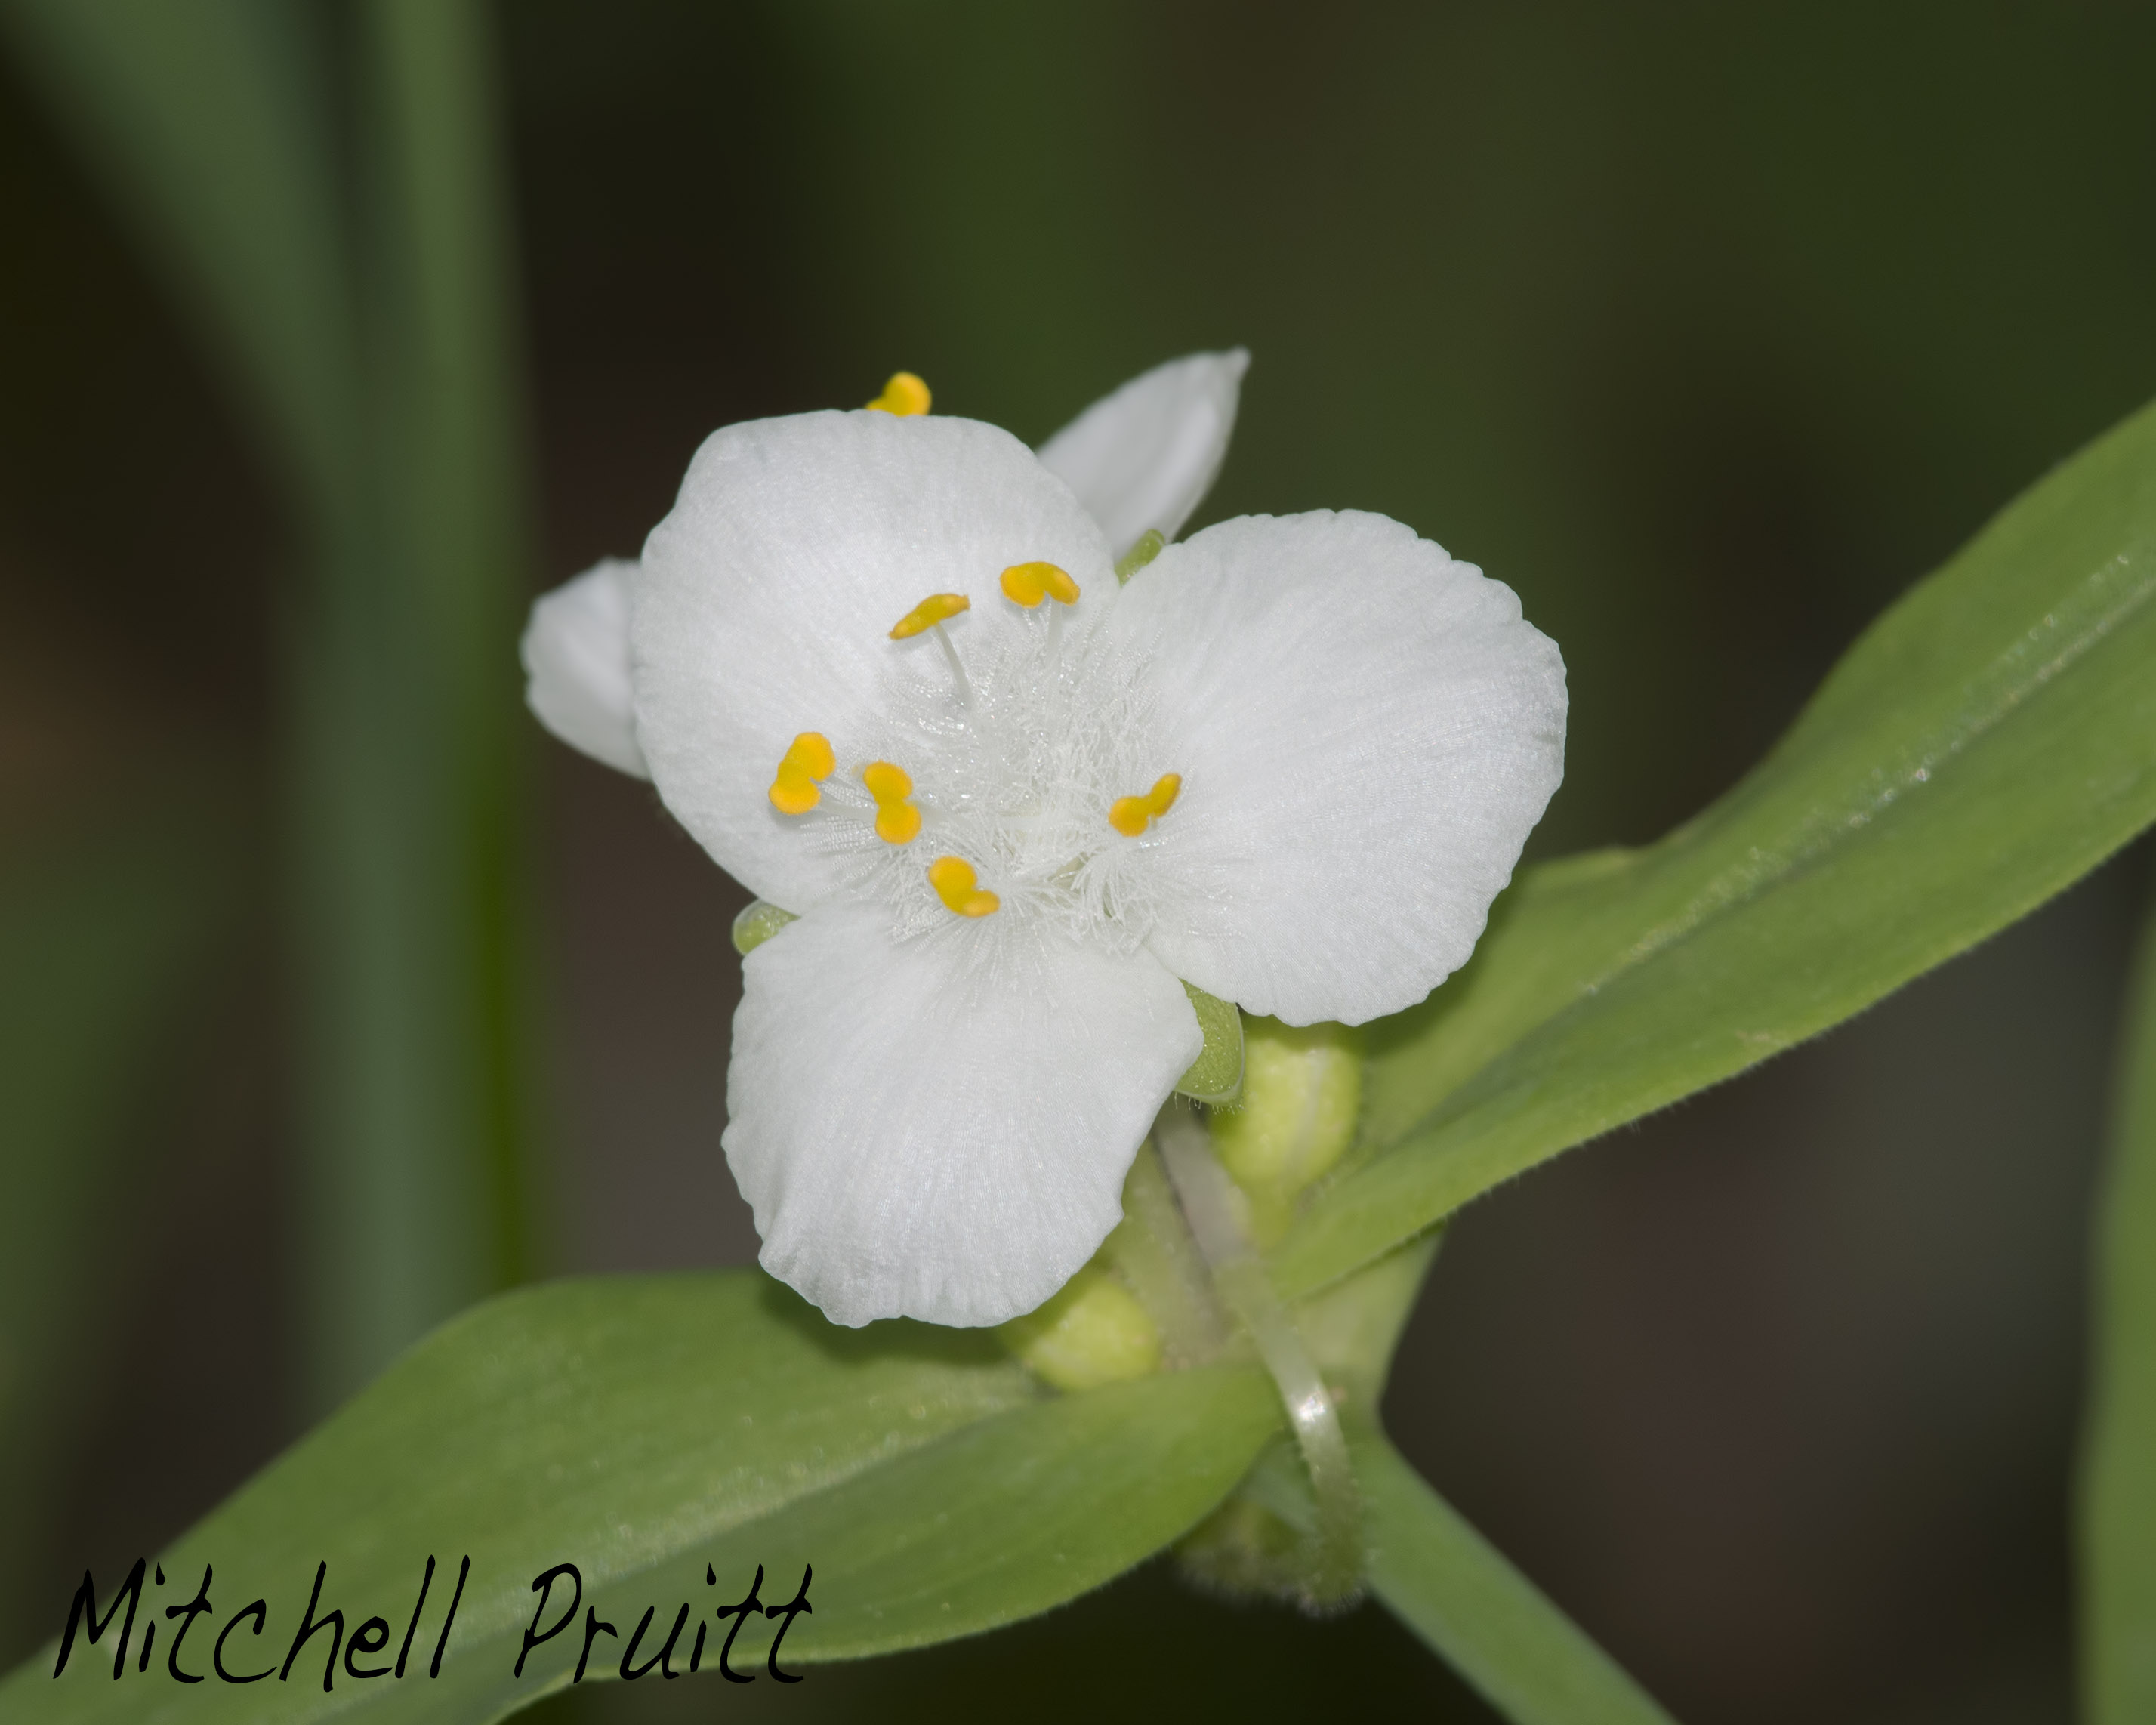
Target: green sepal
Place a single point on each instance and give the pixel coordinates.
(1215, 1077)
(758, 924)
(1149, 546)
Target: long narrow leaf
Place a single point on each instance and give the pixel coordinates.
(2117, 1484)
(410, 794)
(653, 1431)
(467, 510)
(1456, 1591)
(207, 123)
(1989, 740)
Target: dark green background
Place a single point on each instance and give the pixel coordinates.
(1706, 329)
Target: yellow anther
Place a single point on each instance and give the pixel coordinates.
(1028, 584)
(930, 612)
(957, 887)
(905, 395)
(897, 820)
(793, 791)
(1130, 815)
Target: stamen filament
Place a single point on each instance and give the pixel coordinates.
(957, 670)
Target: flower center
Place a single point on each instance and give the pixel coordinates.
(1014, 767)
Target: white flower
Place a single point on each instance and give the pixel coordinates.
(883, 671)
(1142, 458)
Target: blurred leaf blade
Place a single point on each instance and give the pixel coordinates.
(644, 1427)
(215, 126)
(205, 122)
(101, 930)
(469, 515)
(410, 790)
(1988, 741)
(2116, 1487)
(1457, 1592)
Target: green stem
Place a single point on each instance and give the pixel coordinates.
(1153, 1250)
(1333, 1575)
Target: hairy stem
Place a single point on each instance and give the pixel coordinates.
(1333, 1576)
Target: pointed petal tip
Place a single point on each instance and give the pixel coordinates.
(1144, 457)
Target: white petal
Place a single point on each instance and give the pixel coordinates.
(1366, 730)
(939, 1127)
(1146, 456)
(576, 663)
(768, 596)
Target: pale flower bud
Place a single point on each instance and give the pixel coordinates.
(1093, 1331)
(1301, 1089)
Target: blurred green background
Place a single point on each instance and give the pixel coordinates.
(1708, 329)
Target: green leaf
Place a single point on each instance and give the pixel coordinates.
(1988, 741)
(2117, 1490)
(1454, 1589)
(643, 1428)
